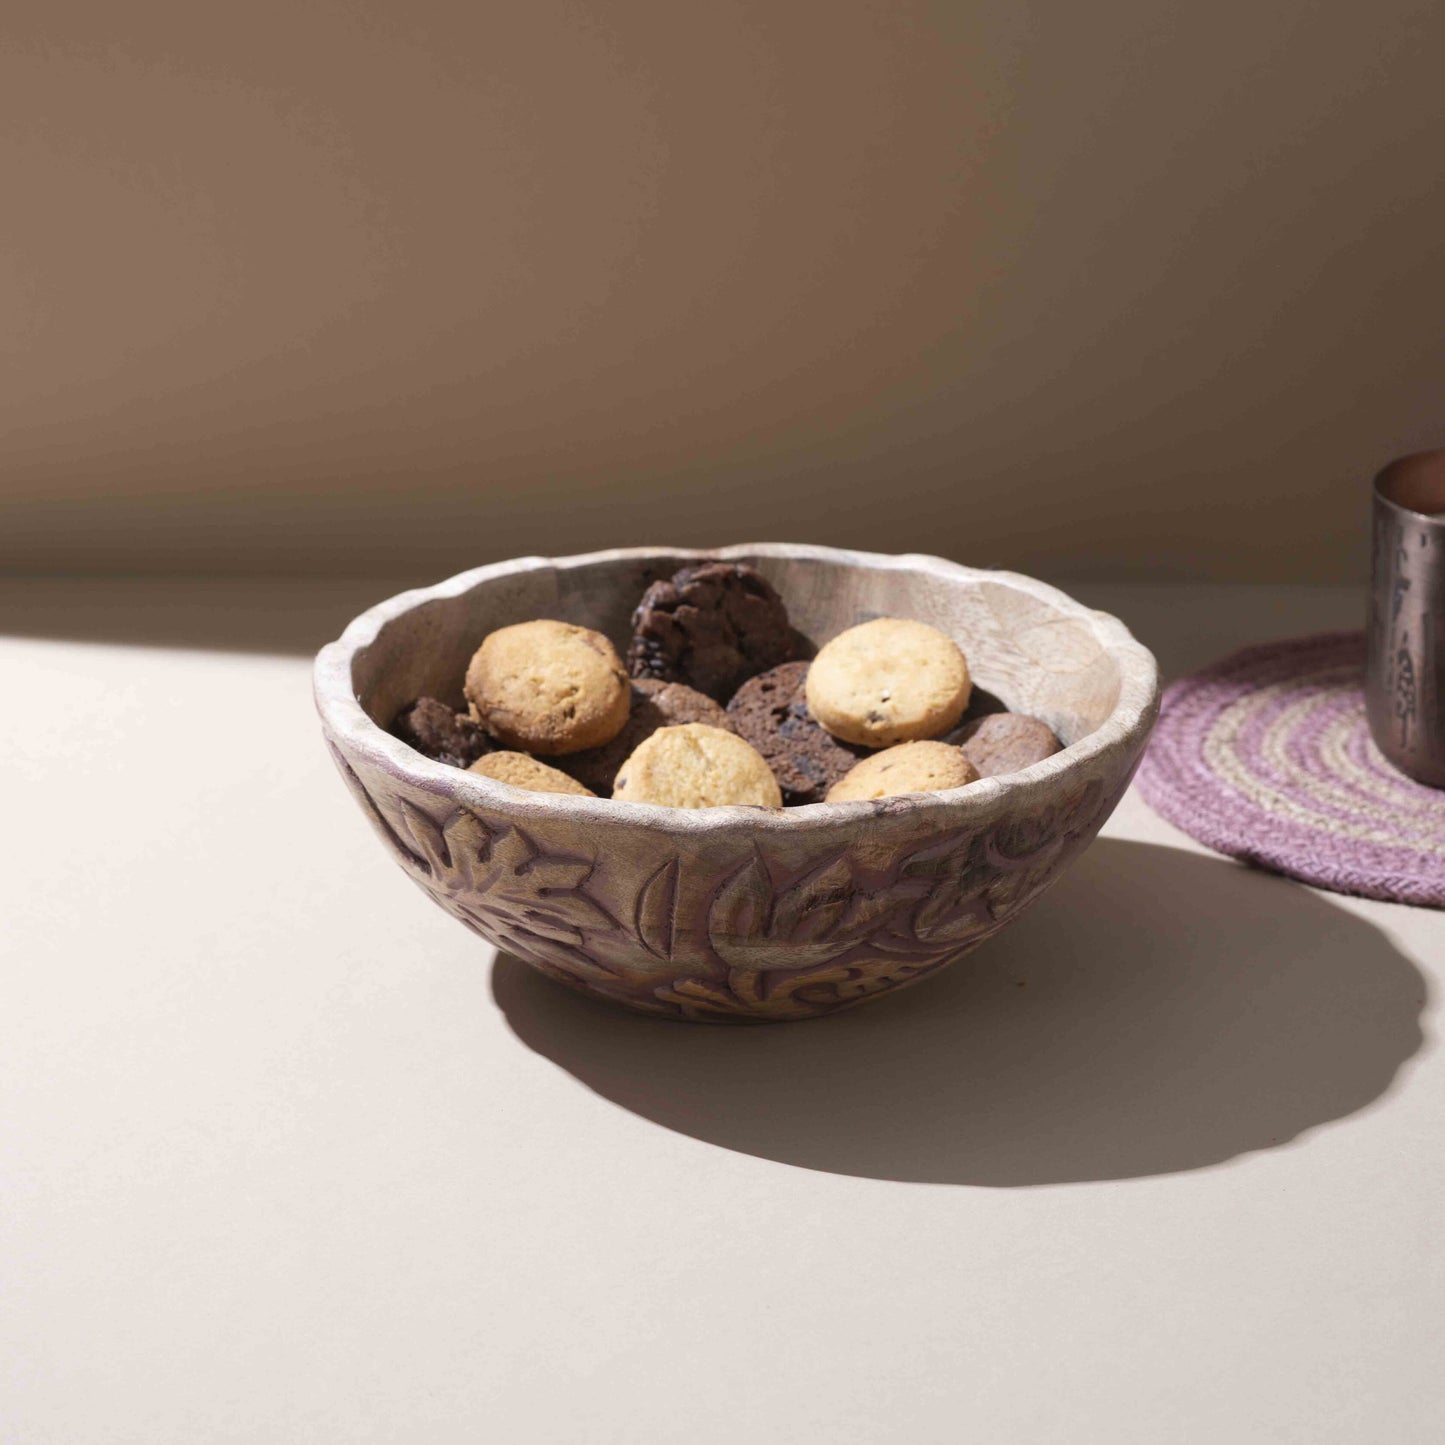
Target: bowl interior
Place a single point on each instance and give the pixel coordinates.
(1029, 647)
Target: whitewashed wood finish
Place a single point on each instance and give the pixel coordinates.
(737, 912)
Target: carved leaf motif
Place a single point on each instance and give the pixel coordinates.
(738, 922)
(1087, 810)
(469, 845)
(739, 910)
(571, 965)
(429, 845)
(513, 854)
(781, 987)
(1009, 891)
(1010, 847)
(505, 887)
(696, 998)
(874, 911)
(810, 909)
(952, 916)
(546, 889)
(656, 917)
(691, 998)
(763, 940)
(948, 854)
(549, 872)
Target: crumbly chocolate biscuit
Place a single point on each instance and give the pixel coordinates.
(548, 687)
(712, 626)
(888, 681)
(697, 766)
(655, 705)
(435, 730)
(522, 771)
(771, 712)
(1005, 742)
(909, 768)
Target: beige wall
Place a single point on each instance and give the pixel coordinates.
(1139, 287)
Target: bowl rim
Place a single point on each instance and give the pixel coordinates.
(342, 714)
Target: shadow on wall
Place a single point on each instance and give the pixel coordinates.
(1184, 626)
(278, 616)
(1160, 1011)
(1043, 279)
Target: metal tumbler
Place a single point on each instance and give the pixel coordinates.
(1405, 653)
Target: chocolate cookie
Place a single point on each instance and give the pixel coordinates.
(697, 766)
(433, 729)
(548, 687)
(1005, 742)
(523, 771)
(908, 768)
(888, 681)
(771, 712)
(981, 703)
(712, 625)
(655, 705)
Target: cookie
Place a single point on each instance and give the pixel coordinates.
(888, 681)
(548, 688)
(697, 766)
(981, 702)
(654, 705)
(436, 731)
(522, 771)
(908, 768)
(771, 712)
(712, 625)
(1005, 742)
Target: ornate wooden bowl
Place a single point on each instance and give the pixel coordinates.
(728, 913)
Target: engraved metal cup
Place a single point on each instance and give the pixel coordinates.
(1405, 654)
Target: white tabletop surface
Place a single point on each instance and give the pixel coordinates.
(286, 1158)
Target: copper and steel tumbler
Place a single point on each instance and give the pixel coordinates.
(1405, 654)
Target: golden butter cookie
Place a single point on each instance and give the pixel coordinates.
(908, 768)
(523, 772)
(888, 681)
(697, 766)
(548, 687)
(654, 705)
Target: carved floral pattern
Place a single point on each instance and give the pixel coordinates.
(752, 940)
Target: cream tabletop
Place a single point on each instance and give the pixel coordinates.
(288, 1156)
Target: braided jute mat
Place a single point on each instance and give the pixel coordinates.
(1266, 756)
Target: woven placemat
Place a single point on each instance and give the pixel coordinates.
(1267, 756)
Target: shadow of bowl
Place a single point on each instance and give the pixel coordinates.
(1161, 1011)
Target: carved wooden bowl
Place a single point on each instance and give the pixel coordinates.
(727, 913)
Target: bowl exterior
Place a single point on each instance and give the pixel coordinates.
(778, 925)
(736, 913)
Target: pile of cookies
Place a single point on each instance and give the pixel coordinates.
(718, 703)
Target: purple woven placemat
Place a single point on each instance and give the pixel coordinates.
(1267, 756)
